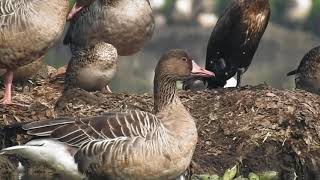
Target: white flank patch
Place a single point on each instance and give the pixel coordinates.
(232, 82)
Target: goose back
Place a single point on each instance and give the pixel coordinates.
(119, 145)
(28, 28)
(126, 24)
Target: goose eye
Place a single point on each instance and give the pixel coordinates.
(184, 59)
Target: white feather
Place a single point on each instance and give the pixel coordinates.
(232, 82)
(53, 153)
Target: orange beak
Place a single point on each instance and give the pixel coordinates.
(200, 72)
(75, 9)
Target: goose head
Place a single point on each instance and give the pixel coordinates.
(179, 66)
(78, 5)
(175, 65)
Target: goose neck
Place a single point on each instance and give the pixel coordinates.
(164, 91)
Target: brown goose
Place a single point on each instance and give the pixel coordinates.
(134, 144)
(308, 72)
(27, 29)
(92, 68)
(126, 24)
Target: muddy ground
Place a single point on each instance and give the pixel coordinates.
(259, 128)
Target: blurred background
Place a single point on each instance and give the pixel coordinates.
(293, 30)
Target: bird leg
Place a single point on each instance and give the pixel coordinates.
(240, 72)
(8, 77)
(106, 89)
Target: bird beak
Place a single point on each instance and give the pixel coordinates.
(199, 71)
(75, 9)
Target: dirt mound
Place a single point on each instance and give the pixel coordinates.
(259, 128)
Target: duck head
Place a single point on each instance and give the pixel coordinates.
(78, 5)
(179, 65)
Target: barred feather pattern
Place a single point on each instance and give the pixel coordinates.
(164, 96)
(109, 140)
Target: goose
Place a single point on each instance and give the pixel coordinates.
(28, 29)
(92, 68)
(126, 24)
(235, 39)
(308, 72)
(134, 144)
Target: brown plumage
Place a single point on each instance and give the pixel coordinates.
(135, 144)
(308, 72)
(26, 72)
(235, 39)
(126, 24)
(91, 68)
(26, 33)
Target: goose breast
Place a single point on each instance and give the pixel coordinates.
(28, 28)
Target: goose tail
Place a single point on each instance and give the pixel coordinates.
(52, 153)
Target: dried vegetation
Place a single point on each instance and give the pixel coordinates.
(259, 128)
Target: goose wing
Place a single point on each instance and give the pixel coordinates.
(11, 12)
(109, 126)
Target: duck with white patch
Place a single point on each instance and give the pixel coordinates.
(134, 145)
(235, 39)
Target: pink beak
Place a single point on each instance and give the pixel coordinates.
(75, 9)
(199, 71)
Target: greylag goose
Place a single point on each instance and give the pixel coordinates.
(28, 28)
(134, 144)
(126, 24)
(308, 72)
(235, 39)
(92, 68)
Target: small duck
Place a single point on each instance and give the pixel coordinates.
(235, 39)
(92, 68)
(308, 72)
(134, 145)
(25, 35)
(126, 24)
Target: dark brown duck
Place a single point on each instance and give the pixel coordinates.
(308, 72)
(235, 39)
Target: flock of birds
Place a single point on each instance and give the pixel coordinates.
(133, 144)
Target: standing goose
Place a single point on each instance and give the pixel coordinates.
(92, 68)
(28, 28)
(126, 24)
(308, 72)
(235, 39)
(134, 145)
